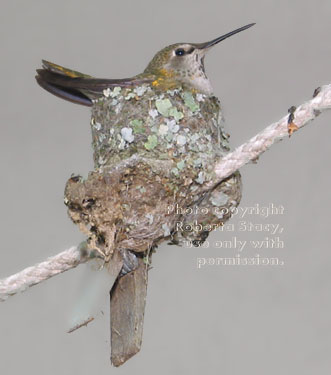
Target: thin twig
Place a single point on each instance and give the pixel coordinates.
(223, 168)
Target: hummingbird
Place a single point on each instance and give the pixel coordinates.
(177, 64)
(155, 138)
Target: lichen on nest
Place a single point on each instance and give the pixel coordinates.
(152, 150)
(175, 125)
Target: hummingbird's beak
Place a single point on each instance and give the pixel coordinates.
(220, 38)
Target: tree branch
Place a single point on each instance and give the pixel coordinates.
(223, 168)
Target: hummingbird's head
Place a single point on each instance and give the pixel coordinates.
(184, 62)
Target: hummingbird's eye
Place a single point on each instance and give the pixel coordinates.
(180, 52)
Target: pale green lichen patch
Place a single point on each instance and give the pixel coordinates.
(127, 135)
(112, 93)
(180, 165)
(175, 171)
(190, 102)
(130, 96)
(122, 143)
(116, 91)
(102, 137)
(169, 138)
(97, 126)
(197, 163)
(181, 140)
(142, 189)
(151, 142)
(106, 92)
(195, 137)
(140, 90)
(173, 127)
(153, 113)
(163, 106)
(218, 198)
(166, 109)
(163, 129)
(137, 126)
(175, 113)
(201, 178)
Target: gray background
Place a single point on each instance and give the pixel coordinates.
(227, 320)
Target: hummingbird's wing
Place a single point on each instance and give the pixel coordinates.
(77, 87)
(93, 289)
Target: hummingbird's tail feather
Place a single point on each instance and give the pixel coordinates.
(47, 65)
(78, 87)
(73, 96)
